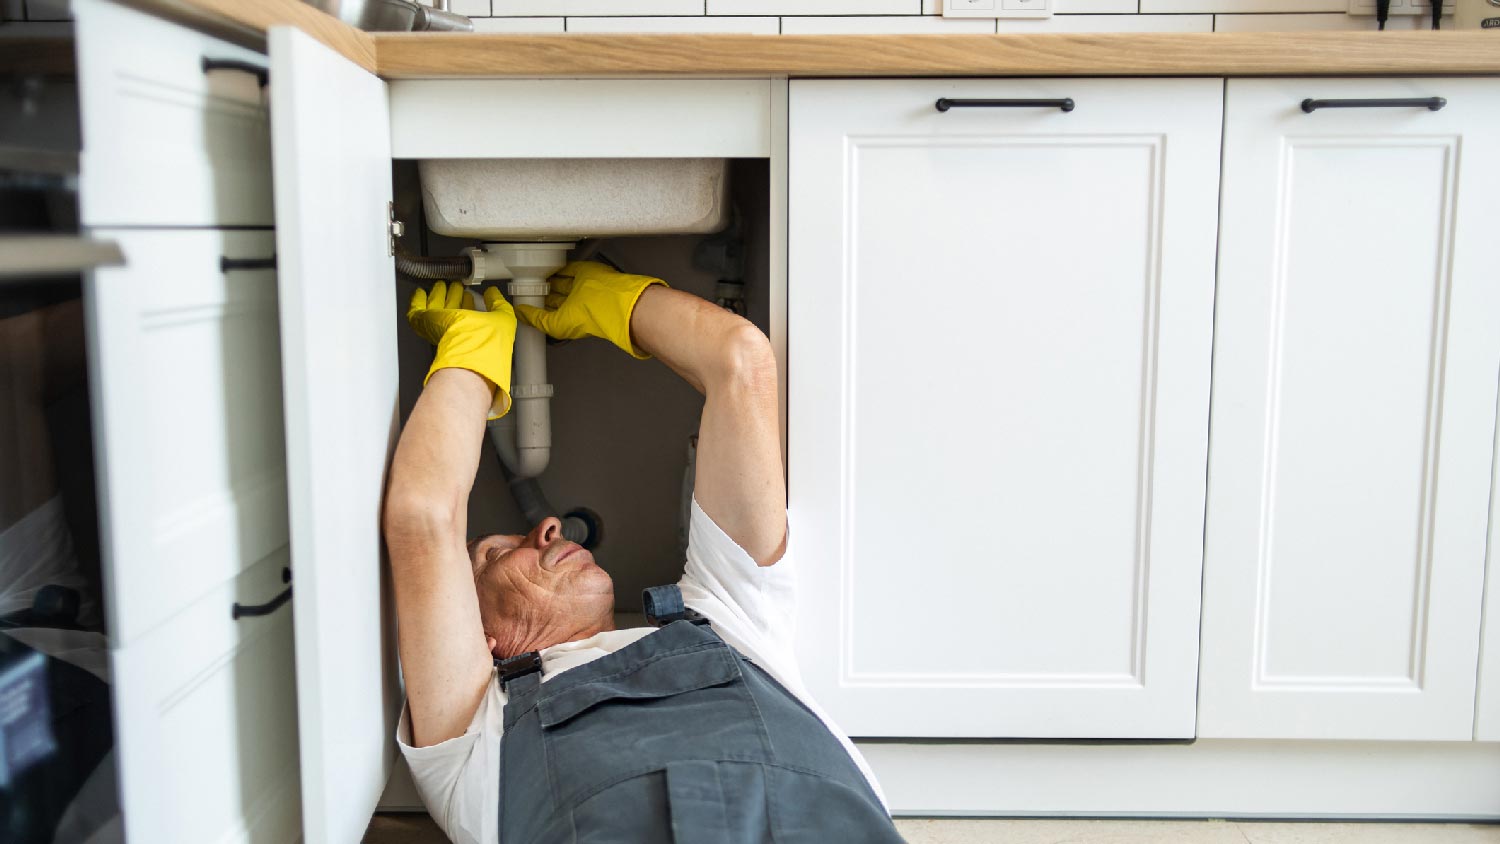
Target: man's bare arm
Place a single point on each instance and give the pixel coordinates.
(739, 483)
(443, 655)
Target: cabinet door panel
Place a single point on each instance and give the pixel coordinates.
(187, 399)
(185, 375)
(331, 140)
(999, 332)
(206, 721)
(1355, 361)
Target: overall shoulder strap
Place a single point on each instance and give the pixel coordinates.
(663, 605)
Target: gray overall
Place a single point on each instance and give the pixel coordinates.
(675, 738)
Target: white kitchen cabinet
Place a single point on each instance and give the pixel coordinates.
(1355, 358)
(331, 140)
(999, 349)
(186, 378)
(175, 124)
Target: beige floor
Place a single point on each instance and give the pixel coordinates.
(419, 829)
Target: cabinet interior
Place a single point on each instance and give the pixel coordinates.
(620, 427)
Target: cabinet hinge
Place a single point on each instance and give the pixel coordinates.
(394, 229)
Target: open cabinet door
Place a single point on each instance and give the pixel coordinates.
(330, 140)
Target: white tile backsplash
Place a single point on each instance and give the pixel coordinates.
(518, 25)
(1307, 23)
(699, 24)
(1113, 23)
(472, 8)
(563, 8)
(767, 17)
(1241, 6)
(1063, 7)
(884, 25)
(788, 8)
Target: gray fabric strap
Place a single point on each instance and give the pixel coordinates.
(696, 799)
(663, 605)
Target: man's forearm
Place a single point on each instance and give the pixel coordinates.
(438, 453)
(700, 341)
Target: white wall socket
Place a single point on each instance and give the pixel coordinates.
(1000, 8)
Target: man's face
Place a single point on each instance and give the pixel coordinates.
(537, 588)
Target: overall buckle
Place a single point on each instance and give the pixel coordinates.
(518, 666)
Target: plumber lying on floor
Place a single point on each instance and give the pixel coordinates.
(529, 717)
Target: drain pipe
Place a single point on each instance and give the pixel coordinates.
(523, 438)
(529, 265)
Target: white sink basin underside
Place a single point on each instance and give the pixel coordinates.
(572, 198)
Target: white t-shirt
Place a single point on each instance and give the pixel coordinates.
(751, 607)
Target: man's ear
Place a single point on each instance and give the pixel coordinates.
(490, 642)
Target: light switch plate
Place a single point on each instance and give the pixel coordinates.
(1034, 9)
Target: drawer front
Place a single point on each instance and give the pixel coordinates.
(166, 142)
(186, 365)
(206, 721)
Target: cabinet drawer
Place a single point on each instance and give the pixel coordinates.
(166, 142)
(186, 377)
(206, 720)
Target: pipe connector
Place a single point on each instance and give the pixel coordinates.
(482, 266)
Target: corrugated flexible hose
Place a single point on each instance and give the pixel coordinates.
(442, 269)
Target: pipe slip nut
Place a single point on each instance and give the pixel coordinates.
(531, 391)
(528, 288)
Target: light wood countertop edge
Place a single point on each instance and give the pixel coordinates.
(419, 55)
(449, 55)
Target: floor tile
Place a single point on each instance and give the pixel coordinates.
(1369, 833)
(975, 831)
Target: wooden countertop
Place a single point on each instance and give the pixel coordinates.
(408, 55)
(431, 55)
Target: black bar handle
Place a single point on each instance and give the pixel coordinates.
(261, 74)
(944, 103)
(239, 611)
(227, 264)
(1429, 103)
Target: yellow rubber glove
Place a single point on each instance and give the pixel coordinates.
(479, 341)
(590, 299)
